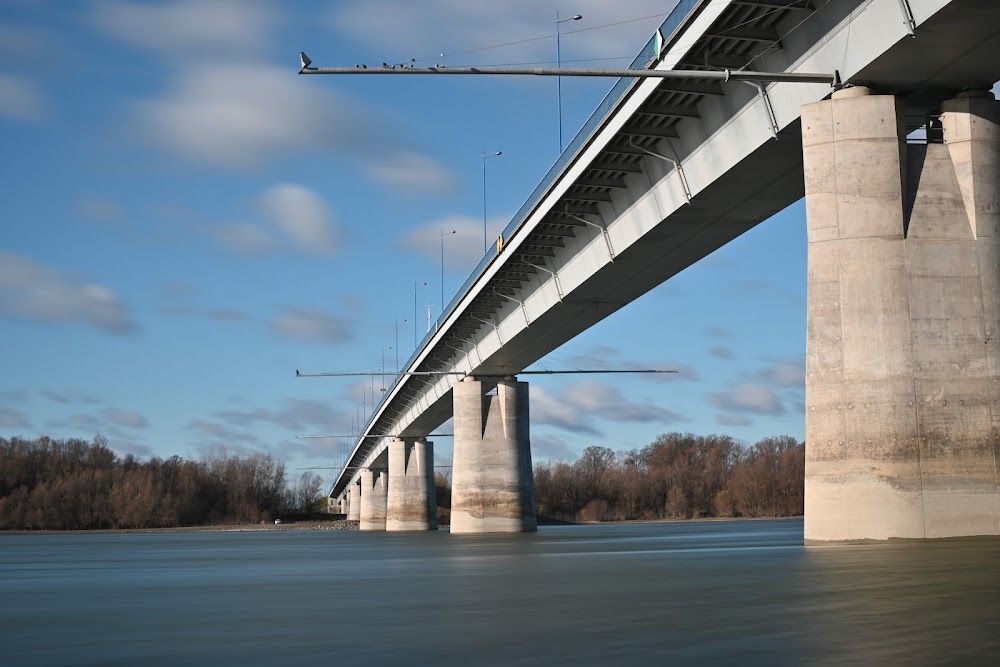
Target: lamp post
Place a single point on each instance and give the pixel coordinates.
(485, 234)
(397, 341)
(383, 369)
(443, 234)
(575, 17)
(415, 286)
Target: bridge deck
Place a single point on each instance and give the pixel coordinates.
(614, 217)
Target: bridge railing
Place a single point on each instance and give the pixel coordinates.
(647, 56)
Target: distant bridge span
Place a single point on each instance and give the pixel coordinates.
(665, 172)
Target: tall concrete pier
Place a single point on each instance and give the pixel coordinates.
(493, 489)
(411, 502)
(374, 487)
(354, 501)
(903, 349)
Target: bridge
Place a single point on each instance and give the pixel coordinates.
(903, 349)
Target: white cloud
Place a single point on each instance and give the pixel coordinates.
(190, 29)
(748, 397)
(245, 237)
(551, 448)
(11, 418)
(39, 293)
(19, 98)
(313, 325)
(294, 414)
(575, 408)
(245, 115)
(70, 396)
(127, 418)
(788, 373)
(730, 419)
(101, 210)
(411, 171)
(428, 28)
(302, 216)
(463, 249)
(295, 218)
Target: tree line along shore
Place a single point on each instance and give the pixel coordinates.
(74, 484)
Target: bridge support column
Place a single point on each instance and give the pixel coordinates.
(903, 349)
(373, 497)
(411, 502)
(354, 502)
(493, 490)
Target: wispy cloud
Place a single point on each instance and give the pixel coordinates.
(294, 414)
(730, 419)
(526, 26)
(302, 216)
(313, 325)
(239, 429)
(212, 434)
(190, 29)
(746, 397)
(412, 172)
(119, 423)
(548, 447)
(293, 218)
(785, 373)
(99, 209)
(126, 418)
(70, 396)
(753, 287)
(244, 115)
(244, 237)
(721, 352)
(11, 418)
(579, 405)
(463, 249)
(38, 293)
(20, 98)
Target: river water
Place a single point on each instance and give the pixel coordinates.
(692, 593)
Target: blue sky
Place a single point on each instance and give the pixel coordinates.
(185, 222)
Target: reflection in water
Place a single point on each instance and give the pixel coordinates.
(706, 593)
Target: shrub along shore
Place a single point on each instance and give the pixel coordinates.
(73, 485)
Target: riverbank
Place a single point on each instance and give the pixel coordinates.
(336, 524)
(346, 524)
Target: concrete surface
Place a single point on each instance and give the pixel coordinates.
(411, 502)
(902, 382)
(373, 499)
(493, 489)
(354, 502)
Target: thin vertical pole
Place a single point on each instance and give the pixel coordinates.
(484, 201)
(559, 85)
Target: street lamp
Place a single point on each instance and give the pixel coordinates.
(575, 17)
(443, 234)
(485, 234)
(383, 368)
(397, 341)
(415, 286)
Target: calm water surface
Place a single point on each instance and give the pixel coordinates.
(703, 593)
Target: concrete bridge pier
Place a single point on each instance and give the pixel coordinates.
(493, 489)
(903, 347)
(411, 502)
(374, 487)
(354, 502)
